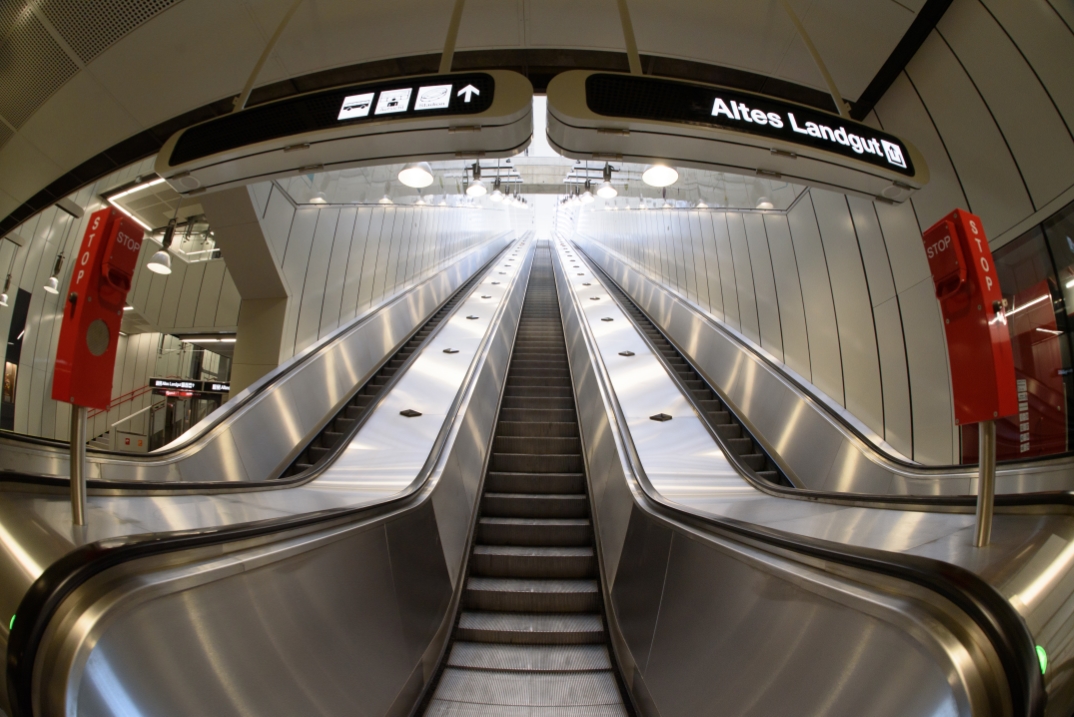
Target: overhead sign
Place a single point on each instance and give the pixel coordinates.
(602, 115)
(463, 115)
(671, 101)
(188, 385)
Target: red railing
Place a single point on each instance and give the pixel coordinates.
(119, 400)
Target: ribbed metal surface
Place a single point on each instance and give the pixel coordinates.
(531, 638)
(538, 689)
(530, 658)
(440, 708)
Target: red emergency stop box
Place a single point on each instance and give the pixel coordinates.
(93, 309)
(978, 342)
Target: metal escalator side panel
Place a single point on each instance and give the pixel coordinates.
(530, 637)
(710, 611)
(224, 594)
(824, 440)
(340, 360)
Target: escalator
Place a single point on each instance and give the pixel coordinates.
(531, 637)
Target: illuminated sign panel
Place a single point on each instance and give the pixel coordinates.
(356, 104)
(648, 98)
(169, 386)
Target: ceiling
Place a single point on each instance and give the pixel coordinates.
(79, 77)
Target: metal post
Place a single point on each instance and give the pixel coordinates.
(78, 465)
(986, 483)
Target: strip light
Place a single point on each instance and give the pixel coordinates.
(112, 200)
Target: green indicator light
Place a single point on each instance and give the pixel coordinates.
(1043, 657)
(11, 625)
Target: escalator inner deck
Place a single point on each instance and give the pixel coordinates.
(531, 638)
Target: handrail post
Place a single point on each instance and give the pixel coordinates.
(78, 465)
(986, 482)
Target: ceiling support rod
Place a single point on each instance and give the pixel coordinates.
(840, 105)
(241, 100)
(628, 36)
(452, 35)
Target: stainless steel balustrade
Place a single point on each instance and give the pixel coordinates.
(343, 611)
(814, 447)
(260, 430)
(712, 615)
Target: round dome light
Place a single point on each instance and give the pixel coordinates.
(416, 175)
(607, 191)
(476, 189)
(763, 203)
(660, 175)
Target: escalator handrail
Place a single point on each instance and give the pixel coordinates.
(133, 488)
(982, 603)
(254, 390)
(807, 392)
(923, 502)
(64, 576)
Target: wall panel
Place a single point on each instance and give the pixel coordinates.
(789, 296)
(853, 309)
(993, 185)
(764, 283)
(747, 298)
(824, 356)
(1032, 128)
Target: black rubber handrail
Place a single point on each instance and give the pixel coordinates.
(806, 391)
(235, 404)
(65, 575)
(1005, 629)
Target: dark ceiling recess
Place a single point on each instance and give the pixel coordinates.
(908, 46)
(540, 66)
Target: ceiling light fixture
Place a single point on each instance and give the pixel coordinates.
(587, 195)
(606, 190)
(660, 175)
(3, 297)
(319, 198)
(385, 200)
(764, 203)
(161, 262)
(52, 286)
(477, 187)
(416, 175)
(112, 200)
(497, 193)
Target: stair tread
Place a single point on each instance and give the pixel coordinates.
(529, 658)
(536, 551)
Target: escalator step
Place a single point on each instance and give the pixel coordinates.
(521, 595)
(548, 532)
(528, 482)
(531, 628)
(755, 461)
(535, 505)
(537, 429)
(530, 658)
(520, 561)
(536, 445)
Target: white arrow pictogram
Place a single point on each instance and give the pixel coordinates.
(469, 91)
